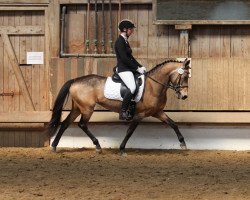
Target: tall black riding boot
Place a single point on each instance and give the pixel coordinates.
(131, 110)
(125, 104)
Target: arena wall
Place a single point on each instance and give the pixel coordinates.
(218, 87)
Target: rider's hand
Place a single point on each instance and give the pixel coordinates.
(144, 68)
(141, 70)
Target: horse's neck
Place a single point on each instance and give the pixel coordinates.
(164, 73)
(162, 76)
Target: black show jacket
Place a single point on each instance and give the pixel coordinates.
(125, 59)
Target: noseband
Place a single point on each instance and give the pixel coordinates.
(176, 86)
(178, 83)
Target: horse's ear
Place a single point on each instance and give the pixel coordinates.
(186, 63)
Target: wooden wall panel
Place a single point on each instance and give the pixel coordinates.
(34, 75)
(220, 41)
(1, 68)
(21, 138)
(220, 59)
(216, 84)
(143, 29)
(75, 21)
(63, 69)
(219, 55)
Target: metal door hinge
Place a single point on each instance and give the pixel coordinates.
(7, 94)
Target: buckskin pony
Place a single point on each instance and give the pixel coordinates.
(87, 91)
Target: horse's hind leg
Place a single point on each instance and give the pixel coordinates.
(166, 120)
(65, 124)
(83, 125)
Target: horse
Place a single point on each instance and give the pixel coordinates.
(87, 91)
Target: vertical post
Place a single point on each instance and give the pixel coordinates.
(110, 15)
(96, 27)
(62, 30)
(103, 28)
(87, 36)
(119, 11)
(184, 44)
(184, 39)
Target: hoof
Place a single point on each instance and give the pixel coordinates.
(99, 151)
(183, 146)
(53, 149)
(123, 153)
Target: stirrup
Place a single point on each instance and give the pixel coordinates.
(130, 116)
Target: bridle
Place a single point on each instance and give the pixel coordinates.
(176, 85)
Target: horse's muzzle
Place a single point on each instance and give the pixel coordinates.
(184, 97)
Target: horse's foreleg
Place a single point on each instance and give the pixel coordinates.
(167, 120)
(65, 124)
(83, 125)
(130, 131)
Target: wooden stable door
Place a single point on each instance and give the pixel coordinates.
(23, 86)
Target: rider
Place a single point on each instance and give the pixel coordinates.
(126, 64)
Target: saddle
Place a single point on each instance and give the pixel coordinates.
(116, 78)
(138, 82)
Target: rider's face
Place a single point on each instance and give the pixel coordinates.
(130, 31)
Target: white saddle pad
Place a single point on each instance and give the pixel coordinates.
(112, 90)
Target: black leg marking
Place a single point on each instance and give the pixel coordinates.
(82, 124)
(172, 124)
(64, 126)
(166, 120)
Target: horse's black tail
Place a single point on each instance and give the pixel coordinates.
(57, 109)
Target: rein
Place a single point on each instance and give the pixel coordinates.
(176, 87)
(163, 84)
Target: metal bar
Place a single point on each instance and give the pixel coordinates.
(62, 30)
(110, 15)
(103, 28)
(129, 2)
(96, 27)
(87, 37)
(119, 11)
(96, 55)
(189, 45)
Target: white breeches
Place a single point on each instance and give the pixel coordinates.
(129, 80)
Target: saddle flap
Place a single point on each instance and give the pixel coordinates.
(138, 81)
(116, 89)
(116, 78)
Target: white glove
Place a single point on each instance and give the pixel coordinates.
(144, 68)
(141, 70)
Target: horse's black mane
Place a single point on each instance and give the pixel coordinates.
(159, 66)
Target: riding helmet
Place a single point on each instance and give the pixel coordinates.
(125, 24)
